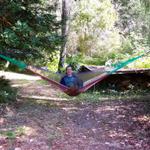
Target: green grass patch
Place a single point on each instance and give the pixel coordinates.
(8, 134)
(102, 95)
(12, 134)
(16, 132)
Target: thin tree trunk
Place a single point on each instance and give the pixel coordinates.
(64, 33)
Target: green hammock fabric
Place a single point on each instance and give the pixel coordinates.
(20, 64)
(123, 64)
(87, 85)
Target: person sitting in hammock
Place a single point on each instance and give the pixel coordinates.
(71, 80)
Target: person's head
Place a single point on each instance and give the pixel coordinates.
(69, 70)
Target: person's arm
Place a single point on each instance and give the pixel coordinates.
(62, 81)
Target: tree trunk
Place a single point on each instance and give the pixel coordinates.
(64, 33)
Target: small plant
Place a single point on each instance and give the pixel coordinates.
(12, 134)
(74, 61)
(8, 134)
(7, 93)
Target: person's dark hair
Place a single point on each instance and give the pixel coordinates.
(69, 66)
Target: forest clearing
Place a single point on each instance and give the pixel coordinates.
(75, 75)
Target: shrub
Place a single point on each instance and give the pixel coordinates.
(7, 93)
(142, 63)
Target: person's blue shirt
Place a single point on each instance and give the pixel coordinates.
(72, 81)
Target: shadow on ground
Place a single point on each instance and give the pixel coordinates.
(63, 124)
(68, 125)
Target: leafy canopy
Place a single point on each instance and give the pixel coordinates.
(29, 29)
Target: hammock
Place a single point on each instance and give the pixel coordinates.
(72, 91)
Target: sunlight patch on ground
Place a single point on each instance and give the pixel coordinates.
(142, 118)
(119, 134)
(20, 85)
(106, 108)
(71, 109)
(25, 130)
(2, 120)
(43, 98)
(17, 76)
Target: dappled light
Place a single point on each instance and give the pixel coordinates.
(41, 118)
(2, 120)
(104, 109)
(34, 97)
(70, 109)
(75, 125)
(74, 75)
(119, 134)
(142, 118)
(15, 76)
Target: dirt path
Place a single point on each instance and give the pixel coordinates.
(63, 124)
(17, 76)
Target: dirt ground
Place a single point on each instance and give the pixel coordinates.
(64, 124)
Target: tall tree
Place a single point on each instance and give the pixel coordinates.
(64, 32)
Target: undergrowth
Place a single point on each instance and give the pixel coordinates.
(7, 93)
(108, 94)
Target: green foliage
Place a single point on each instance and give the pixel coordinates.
(53, 64)
(134, 24)
(126, 37)
(10, 38)
(93, 61)
(93, 29)
(95, 14)
(143, 63)
(10, 135)
(29, 30)
(7, 93)
(146, 4)
(74, 61)
(102, 31)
